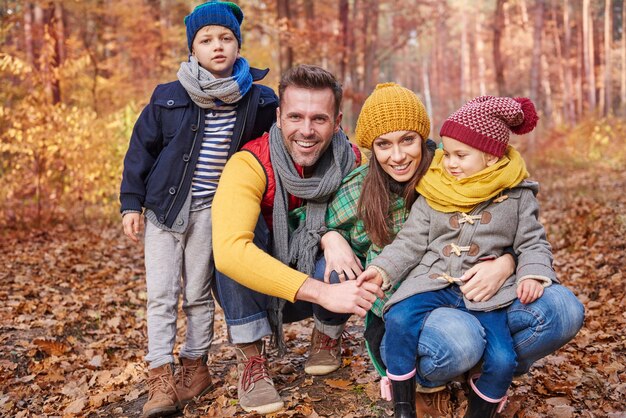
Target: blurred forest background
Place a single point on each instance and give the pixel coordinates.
(75, 75)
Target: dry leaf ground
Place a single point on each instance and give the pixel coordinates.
(73, 324)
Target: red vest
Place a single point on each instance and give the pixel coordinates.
(260, 148)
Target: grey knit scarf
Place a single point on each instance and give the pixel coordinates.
(300, 248)
(209, 92)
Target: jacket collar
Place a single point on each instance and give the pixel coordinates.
(258, 74)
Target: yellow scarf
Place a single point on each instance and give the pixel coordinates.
(445, 193)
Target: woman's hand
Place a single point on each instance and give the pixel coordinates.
(339, 257)
(484, 279)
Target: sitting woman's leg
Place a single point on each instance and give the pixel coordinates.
(542, 327)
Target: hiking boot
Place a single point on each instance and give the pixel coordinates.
(255, 389)
(433, 402)
(192, 379)
(162, 396)
(324, 355)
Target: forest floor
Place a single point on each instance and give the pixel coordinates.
(72, 324)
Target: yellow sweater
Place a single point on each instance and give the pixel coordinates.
(235, 212)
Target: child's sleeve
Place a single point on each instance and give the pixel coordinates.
(407, 249)
(146, 142)
(534, 254)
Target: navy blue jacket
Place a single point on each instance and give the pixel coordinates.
(166, 141)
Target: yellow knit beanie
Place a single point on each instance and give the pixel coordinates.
(390, 108)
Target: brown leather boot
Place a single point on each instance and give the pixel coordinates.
(162, 396)
(433, 402)
(255, 388)
(192, 379)
(324, 354)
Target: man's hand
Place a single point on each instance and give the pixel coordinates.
(370, 275)
(339, 257)
(133, 225)
(484, 279)
(344, 297)
(529, 291)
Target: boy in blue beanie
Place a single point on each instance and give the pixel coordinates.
(175, 158)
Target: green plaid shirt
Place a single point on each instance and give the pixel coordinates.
(341, 216)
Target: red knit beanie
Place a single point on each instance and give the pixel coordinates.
(485, 122)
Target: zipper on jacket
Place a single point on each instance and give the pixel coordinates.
(233, 149)
(182, 180)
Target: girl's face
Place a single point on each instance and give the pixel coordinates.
(461, 160)
(398, 153)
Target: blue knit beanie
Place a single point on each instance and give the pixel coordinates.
(220, 13)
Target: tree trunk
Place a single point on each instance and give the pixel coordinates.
(371, 45)
(284, 23)
(28, 33)
(465, 57)
(569, 98)
(480, 54)
(607, 58)
(535, 68)
(561, 63)
(344, 22)
(57, 30)
(498, 63)
(589, 55)
(623, 92)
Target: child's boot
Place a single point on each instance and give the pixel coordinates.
(162, 396)
(193, 378)
(403, 390)
(480, 405)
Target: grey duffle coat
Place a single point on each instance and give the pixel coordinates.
(434, 247)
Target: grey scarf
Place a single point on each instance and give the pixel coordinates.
(300, 249)
(209, 92)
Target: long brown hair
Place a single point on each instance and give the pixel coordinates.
(374, 202)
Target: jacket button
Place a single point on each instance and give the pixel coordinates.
(194, 127)
(162, 219)
(170, 102)
(186, 157)
(172, 190)
(261, 101)
(180, 222)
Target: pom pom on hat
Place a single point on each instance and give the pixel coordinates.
(220, 13)
(530, 116)
(389, 108)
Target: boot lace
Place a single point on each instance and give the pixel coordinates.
(254, 371)
(159, 384)
(327, 343)
(186, 373)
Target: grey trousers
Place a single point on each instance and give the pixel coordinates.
(179, 263)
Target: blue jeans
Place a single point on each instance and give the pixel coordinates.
(452, 341)
(404, 322)
(246, 310)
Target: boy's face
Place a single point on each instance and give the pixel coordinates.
(216, 49)
(461, 160)
(307, 120)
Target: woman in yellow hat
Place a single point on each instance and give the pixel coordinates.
(369, 210)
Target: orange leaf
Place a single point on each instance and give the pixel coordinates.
(339, 384)
(52, 348)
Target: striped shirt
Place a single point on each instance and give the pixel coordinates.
(218, 132)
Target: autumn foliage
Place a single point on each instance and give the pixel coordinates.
(75, 75)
